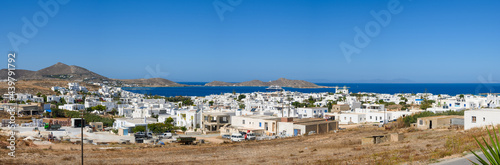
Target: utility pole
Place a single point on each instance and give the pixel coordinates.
(81, 125)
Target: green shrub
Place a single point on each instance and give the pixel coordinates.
(490, 151)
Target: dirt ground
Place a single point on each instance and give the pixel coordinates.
(344, 147)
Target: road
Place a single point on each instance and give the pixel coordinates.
(461, 160)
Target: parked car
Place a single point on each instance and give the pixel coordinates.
(381, 124)
(148, 135)
(166, 135)
(251, 136)
(237, 137)
(139, 135)
(226, 136)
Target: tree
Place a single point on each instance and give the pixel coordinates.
(183, 129)
(211, 103)
(169, 124)
(185, 100)
(157, 127)
(99, 108)
(297, 104)
(56, 112)
(311, 100)
(63, 101)
(38, 94)
(426, 104)
(461, 96)
(169, 120)
(242, 106)
(241, 97)
(139, 129)
(114, 111)
(44, 98)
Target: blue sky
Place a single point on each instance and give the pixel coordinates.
(427, 41)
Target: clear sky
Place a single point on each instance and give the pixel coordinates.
(426, 41)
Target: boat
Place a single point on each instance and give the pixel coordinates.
(274, 88)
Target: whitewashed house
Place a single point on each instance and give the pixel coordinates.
(352, 118)
(53, 98)
(481, 118)
(72, 107)
(314, 112)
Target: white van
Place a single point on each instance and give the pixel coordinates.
(251, 136)
(237, 137)
(166, 135)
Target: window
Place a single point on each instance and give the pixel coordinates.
(370, 117)
(473, 119)
(484, 119)
(421, 122)
(243, 121)
(260, 124)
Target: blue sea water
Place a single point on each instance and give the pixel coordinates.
(388, 88)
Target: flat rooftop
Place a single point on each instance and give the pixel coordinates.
(264, 117)
(137, 120)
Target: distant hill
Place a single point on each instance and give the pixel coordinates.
(280, 82)
(56, 71)
(219, 83)
(152, 82)
(60, 71)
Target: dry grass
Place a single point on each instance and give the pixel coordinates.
(42, 86)
(419, 147)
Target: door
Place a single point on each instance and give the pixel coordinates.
(430, 124)
(296, 132)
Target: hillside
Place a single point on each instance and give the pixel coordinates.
(43, 86)
(57, 71)
(60, 71)
(152, 82)
(279, 82)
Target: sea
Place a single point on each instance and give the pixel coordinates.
(388, 88)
